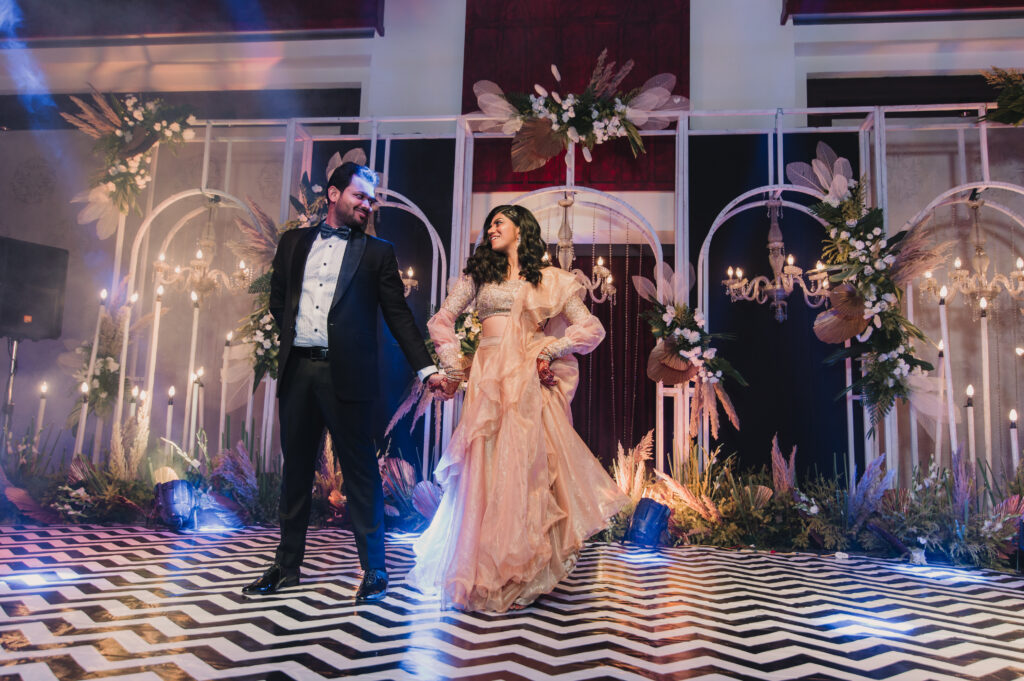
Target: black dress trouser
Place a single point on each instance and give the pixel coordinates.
(307, 405)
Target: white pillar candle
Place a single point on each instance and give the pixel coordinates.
(200, 402)
(942, 390)
(39, 416)
(170, 415)
(950, 407)
(122, 372)
(97, 440)
(1014, 445)
(191, 431)
(986, 383)
(80, 433)
(154, 338)
(248, 426)
(133, 402)
(223, 393)
(970, 426)
(191, 371)
(96, 337)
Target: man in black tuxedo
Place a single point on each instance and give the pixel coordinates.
(326, 287)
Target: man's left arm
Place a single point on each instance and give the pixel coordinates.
(399, 318)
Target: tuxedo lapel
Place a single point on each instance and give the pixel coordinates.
(298, 266)
(353, 256)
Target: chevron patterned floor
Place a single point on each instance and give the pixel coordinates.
(135, 604)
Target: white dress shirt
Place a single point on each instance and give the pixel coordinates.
(319, 281)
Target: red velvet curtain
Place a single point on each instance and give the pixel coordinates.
(515, 43)
(615, 400)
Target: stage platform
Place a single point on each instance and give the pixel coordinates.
(129, 603)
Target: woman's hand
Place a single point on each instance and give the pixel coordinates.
(547, 376)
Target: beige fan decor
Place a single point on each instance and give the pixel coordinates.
(683, 350)
(545, 122)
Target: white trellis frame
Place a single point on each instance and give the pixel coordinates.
(872, 143)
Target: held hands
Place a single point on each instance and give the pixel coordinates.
(442, 387)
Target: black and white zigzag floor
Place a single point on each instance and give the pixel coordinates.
(139, 605)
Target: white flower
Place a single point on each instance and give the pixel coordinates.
(259, 350)
(317, 188)
(691, 335)
(698, 317)
(175, 127)
(137, 115)
(669, 315)
(710, 353)
(267, 343)
(188, 134)
(157, 126)
(191, 120)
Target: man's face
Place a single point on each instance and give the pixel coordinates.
(351, 207)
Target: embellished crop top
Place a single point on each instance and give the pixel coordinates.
(494, 300)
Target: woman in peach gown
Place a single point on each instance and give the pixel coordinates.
(521, 489)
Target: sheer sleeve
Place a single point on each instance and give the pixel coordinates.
(441, 326)
(584, 333)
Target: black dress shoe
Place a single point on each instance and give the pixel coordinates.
(273, 580)
(373, 587)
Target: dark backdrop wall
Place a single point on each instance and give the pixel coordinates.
(792, 391)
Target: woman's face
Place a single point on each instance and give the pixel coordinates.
(502, 233)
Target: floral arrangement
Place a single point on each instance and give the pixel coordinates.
(546, 122)
(683, 351)
(871, 271)
(1010, 83)
(126, 131)
(467, 330)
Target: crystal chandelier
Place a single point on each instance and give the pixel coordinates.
(976, 285)
(600, 279)
(785, 276)
(200, 276)
(408, 282)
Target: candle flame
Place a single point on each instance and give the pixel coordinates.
(170, 391)
(43, 387)
(142, 396)
(739, 273)
(199, 372)
(943, 292)
(789, 259)
(600, 261)
(408, 273)
(927, 274)
(609, 279)
(134, 298)
(819, 266)
(983, 303)
(1019, 350)
(84, 387)
(940, 346)
(194, 296)
(231, 334)
(135, 391)
(199, 254)
(729, 272)
(546, 257)
(160, 290)
(103, 294)
(1013, 415)
(957, 263)
(241, 264)
(970, 390)
(1020, 263)
(161, 257)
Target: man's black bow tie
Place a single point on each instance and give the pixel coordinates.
(342, 232)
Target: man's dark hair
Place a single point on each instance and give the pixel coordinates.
(342, 175)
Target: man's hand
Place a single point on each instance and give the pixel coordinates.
(547, 376)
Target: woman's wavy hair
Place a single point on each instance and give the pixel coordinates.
(489, 266)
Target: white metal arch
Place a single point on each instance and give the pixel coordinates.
(404, 203)
(940, 200)
(733, 208)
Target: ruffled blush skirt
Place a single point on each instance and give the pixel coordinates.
(521, 490)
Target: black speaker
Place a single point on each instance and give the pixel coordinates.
(32, 282)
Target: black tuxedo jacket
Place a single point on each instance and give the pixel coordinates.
(369, 280)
